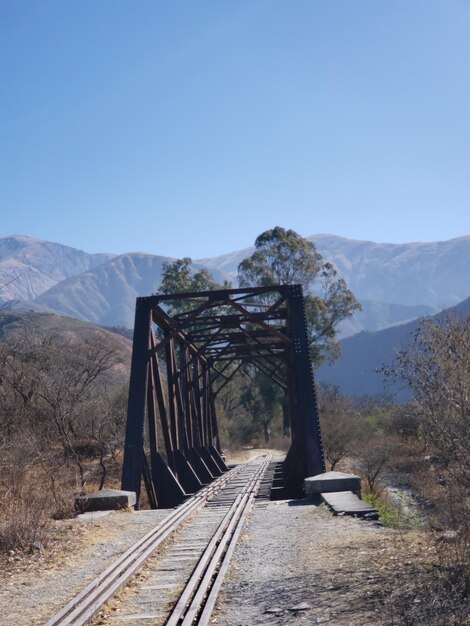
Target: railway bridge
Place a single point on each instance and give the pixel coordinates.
(187, 347)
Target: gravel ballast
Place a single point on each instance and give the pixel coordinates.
(298, 564)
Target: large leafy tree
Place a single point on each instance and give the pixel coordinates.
(285, 257)
(281, 257)
(179, 277)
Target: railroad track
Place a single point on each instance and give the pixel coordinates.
(179, 588)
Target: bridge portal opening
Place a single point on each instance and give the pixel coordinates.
(187, 347)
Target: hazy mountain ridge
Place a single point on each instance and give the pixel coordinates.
(227, 263)
(395, 282)
(432, 274)
(106, 294)
(102, 289)
(377, 315)
(357, 372)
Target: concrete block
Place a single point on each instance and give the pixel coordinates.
(332, 481)
(105, 500)
(347, 503)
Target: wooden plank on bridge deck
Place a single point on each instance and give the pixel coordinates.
(347, 503)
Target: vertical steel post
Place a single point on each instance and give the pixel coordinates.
(306, 435)
(166, 432)
(133, 463)
(170, 369)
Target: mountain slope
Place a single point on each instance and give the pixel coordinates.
(394, 282)
(357, 372)
(72, 331)
(226, 263)
(29, 267)
(433, 273)
(377, 315)
(106, 294)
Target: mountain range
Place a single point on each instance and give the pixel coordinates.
(396, 284)
(432, 274)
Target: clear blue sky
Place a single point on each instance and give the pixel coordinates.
(187, 127)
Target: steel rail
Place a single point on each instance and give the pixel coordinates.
(214, 590)
(87, 603)
(198, 598)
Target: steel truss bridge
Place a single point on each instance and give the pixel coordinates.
(181, 362)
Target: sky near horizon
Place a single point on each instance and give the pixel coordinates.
(187, 128)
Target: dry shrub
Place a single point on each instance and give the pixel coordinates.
(436, 368)
(25, 507)
(62, 412)
(24, 523)
(37, 486)
(376, 454)
(438, 594)
(407, 457)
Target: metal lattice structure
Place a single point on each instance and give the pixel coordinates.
(182, 361)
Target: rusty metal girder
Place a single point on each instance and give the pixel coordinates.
(181, 361)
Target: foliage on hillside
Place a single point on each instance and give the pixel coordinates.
(425, 445)
(62, 414)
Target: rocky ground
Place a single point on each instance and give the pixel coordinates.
(298, 564)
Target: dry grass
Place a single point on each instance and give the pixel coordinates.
(23, 525)
(35, 493)
(436, 591)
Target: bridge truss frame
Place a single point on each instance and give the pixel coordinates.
(181, 362)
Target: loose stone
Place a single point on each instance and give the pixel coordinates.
(303, 606)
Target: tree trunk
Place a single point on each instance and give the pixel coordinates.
(267, 431)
